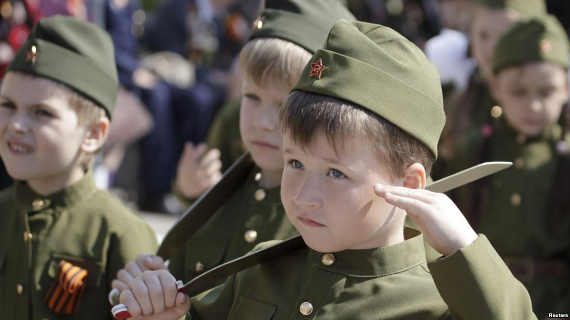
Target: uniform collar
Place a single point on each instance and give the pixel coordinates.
(374, 262)
(34, 202)
(551, 132)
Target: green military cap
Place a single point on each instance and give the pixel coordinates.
(377, 68)
(532, 40)
(75, 53)
(303, 22)
(526, 7)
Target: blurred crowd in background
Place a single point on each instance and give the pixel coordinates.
(176, 64)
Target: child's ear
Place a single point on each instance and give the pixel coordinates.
(95, 136)
(415, 176)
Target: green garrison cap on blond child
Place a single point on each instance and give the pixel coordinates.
(75, 53)
(526, 7)
(532, 40)
(377, 68)
(303, 22)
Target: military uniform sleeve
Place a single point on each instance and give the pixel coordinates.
(476, 284)
(139, 238)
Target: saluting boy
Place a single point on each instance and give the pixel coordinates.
(525, 211)
(245, 208)
(61, 239)
(360, 134)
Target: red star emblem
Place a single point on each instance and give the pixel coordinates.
(31, 55)
(545, 46)
(317, 69)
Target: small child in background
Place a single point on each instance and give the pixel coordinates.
(469, 110)
(525, 211)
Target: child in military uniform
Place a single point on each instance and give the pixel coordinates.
(61, 239)
(470, 110)
(360, 134)
(245, 208)
(524, 211)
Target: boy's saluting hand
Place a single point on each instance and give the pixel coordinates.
(443, 225)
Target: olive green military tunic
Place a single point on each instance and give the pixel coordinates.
(514, 209)
(250, 215)
(393, 282)
(81, 225)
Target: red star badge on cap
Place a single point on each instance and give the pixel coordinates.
(545, 46)
(317, 69)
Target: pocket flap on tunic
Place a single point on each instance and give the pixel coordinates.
(249, 308)
(65, 281)
(92, 266)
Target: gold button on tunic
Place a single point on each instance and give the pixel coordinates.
(38, 204)
(496, 112)
(259, 194)
(516, 199)
(250, 236)
(328, 259)
(306, 308)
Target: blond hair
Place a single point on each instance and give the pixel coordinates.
(88, 113)
(272, 60)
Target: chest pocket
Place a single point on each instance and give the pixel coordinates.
(70, 283)
(249, 308)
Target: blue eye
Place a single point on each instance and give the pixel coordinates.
(295, 164)
(334, 173)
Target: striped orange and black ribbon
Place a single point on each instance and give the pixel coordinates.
(63, 296)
